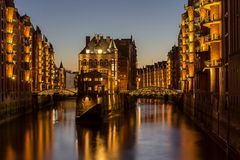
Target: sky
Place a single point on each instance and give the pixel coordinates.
(152, 23)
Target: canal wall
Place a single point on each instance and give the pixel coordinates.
(118, 103)
(105, 106)
(14, 105)
(213, 116)
(40, 102)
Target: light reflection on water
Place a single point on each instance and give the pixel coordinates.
(151, 131)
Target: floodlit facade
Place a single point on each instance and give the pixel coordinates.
(173, 69)
(37, 61)
(152, 75)
(115, 59)
(100, 55)
(24, 68)
(200, 47)
(127, 63)
(211, 84)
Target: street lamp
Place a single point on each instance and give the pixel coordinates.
(14, 77)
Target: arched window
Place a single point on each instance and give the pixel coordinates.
(95, 62)
(91, 63)
(105, 62)
(84, 62)
(101, 62)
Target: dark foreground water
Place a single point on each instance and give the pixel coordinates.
(152, 131)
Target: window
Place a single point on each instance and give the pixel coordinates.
(105, 62)
(91, 62)
(101, 63)
(84, 62)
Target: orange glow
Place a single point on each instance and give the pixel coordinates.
(9, 48)
(27, 32)
(9, 28)
(9, 38)
(28, 146)
(9, 14)
(9, 70)
(27, 75)
(9, 58)
(10, 154)
(27, 49)
(27, 58)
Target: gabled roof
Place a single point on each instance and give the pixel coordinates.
(112, 45)
(107, 45)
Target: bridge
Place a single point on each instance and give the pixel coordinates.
(157, 92)
(62, 92)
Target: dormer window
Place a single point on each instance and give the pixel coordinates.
(87, 51)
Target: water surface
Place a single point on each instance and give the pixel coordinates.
(151, 131)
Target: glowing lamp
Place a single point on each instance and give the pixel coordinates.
(100, 51)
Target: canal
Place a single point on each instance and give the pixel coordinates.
(151, 131)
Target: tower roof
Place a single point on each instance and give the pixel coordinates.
(99, 44)
(61, 65)
(112, 45)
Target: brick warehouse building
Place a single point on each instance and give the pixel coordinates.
(114, 59)
(26, 61)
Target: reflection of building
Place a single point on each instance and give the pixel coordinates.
(152, 75)
(109, 140)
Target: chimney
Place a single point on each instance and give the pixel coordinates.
(87, 40)
(108, 38)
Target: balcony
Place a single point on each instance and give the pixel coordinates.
(183, 69)
(216, 63)
(189, 62)
(214, 38)
(201, 49)
(214, 19)
(208, 3)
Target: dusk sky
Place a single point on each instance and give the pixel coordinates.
(152, 23)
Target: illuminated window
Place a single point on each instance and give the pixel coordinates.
(100, 51)
(87, 51)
